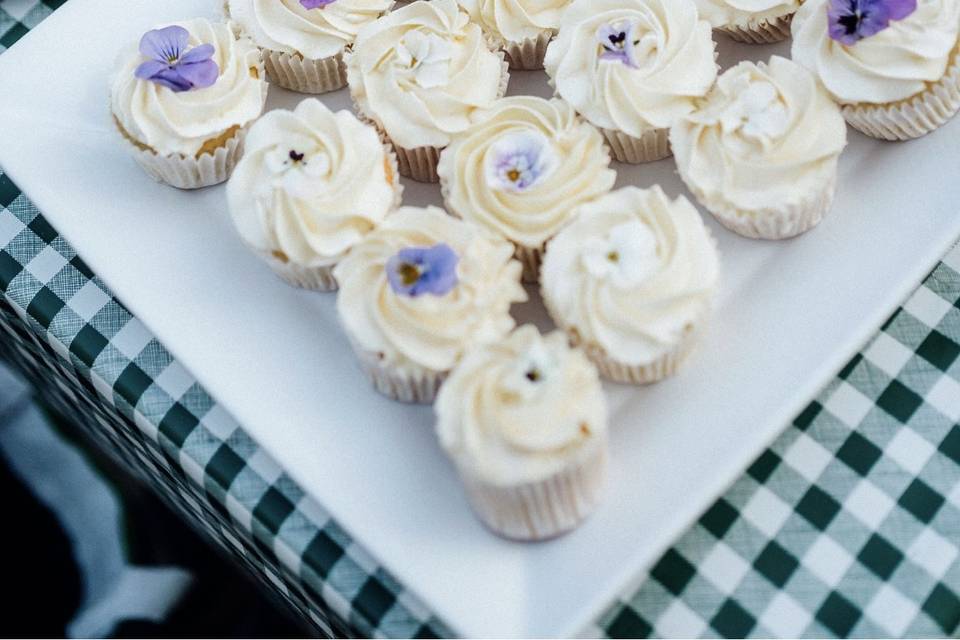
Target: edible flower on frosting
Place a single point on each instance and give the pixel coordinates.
(315, 4)
(172, 64)
(853, 20)
(417, 270)
(618, 41)
(296, 168)
(519, 160)
(627, 255)
(427, 55)
(758, 112)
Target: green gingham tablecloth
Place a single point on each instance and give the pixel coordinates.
(848, 525)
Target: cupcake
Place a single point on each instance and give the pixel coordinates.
(303, 41)
(311, 184)
(760, 152)
(752, 22)
(520, 170)
(891, 64)
(521, 28)
(525, 422)
(419, 73)
(631, 68)
(182, 101)
(631, 280)
(420, 290)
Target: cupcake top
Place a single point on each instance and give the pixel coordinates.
(521, 409)
(311, 184)
(631, 274)
(516, 20)
(767, 136)
(315, 29)
(523, 166)
(189, 85)
(424, 286)
(632, 65)
(420, 72)
(887, 52)
(722, 13)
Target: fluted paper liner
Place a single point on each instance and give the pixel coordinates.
(914, 117)
(653, 145)
(413, 384)
(528, 54)
(765, 31)
(305, 75)
(544, 509)
(190, 172)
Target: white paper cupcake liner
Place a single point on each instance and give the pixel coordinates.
(528, 54)
(304, 75)
(663, 367)
(765, 31)
(312, 278)
(653, 145)
(912, 118)
(774, 224)
(544, 509)
(190, 172)
(414, 385)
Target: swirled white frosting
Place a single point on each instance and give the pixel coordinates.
(631, 274)
(421, 71)
(311, 184)
(767, 136)
(285, 25)
(516, 20)
(722, 13)
(662, 63)
(172, 122)
(889, 66)
(522, 409)
(427, 331)
(523, 166)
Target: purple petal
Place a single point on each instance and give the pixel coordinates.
(199, 74)
(315, 4)
(198, 54)
(900, 9)
(150, 68)
(171, 79)
(165, 44)
(417, 270)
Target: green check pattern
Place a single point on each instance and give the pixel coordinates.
(847, 526)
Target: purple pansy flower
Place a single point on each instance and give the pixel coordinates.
(172, 64)
(416, 270)
(315, 4)
(518, 161)
(617, 41)
(853, 20)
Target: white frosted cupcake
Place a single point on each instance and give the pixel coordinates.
(419, 73)
(303, 41)
(525, 422)
(520, 170)
(751, 21)
(631, 280)
(761, 151)
(631, 68)
(311, 184)
(893, 65)
(522, 28)
(182, 101)
(420, 290)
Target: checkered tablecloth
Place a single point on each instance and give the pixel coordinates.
(848, 525)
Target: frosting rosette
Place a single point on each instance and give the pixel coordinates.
(521, 409)
(630, 279)
(761, 150)
(290, 27)
(725, 13)
(423, 287)
(516, 20)
(522, 167)
(896, 63)
(421, 71)
(155, 117)
(632, 66)
(311, 184)
(525, 421)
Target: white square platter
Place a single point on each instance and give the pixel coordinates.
(789, 314)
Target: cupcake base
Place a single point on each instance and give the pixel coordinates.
(653, 145)
(663, 367)
(414, 386)
(765, 31)
(914, 117)
(189, 172)
(544, 509)
(528, 54)
(304, 75)
(312, 278)
(531, 258)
